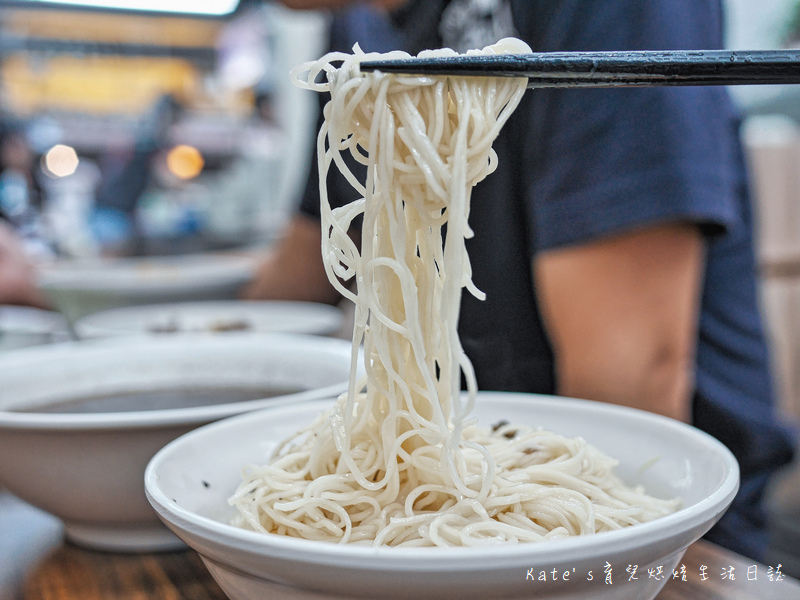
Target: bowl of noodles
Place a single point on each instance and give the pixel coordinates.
(195, 482)
(406, 487)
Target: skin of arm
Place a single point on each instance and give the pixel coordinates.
(621, 314)
(17, 273)
(293, 270)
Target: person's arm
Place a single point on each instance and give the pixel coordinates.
(621, 314)
(293, 270)
(17, 273)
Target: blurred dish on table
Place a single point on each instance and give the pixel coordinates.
(79, 421)
(22, 326)
(81, 287)
(213, 317)
(190, 480)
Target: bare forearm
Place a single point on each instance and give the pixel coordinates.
(20, 288)
(621, 314)
(651, 379)
(17, 273)
(293, 270)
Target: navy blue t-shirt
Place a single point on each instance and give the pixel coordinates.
(576, 165)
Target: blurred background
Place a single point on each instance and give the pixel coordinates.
(174, 129)
(151, 132)
(771, 135)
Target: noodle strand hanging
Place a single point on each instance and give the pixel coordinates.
(397, 461)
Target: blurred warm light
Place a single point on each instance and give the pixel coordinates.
(60, 160)
(185, 162)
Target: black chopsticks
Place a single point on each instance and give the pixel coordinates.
(614, 69)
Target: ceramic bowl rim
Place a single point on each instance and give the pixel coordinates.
(81, 275)
(706, 510)
(19, 420)
(98, 324)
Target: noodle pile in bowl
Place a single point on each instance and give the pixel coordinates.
(398, 461)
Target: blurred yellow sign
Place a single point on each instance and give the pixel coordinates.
(94, 84)
(112, 27)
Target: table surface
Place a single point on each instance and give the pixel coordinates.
(72, 573)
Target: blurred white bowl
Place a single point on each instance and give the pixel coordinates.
(22, 326)
(86, 466)
(189, 481)
(226, 316)
(81, 287)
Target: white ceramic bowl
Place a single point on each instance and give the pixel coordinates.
(81, 287)
(87, 468)
(188, 482)
(22, 326)
(224, 316)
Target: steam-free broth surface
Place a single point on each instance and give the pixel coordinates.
(159, 399)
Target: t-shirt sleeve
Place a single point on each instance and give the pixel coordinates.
(609, 160)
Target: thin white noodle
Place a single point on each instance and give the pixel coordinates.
(396, 461)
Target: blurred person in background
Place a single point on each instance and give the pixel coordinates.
(21, 195)
(127, 174)
(615, 240)
(20, 201)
